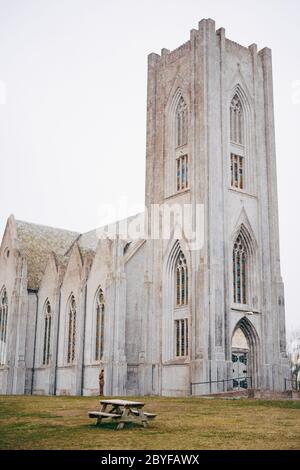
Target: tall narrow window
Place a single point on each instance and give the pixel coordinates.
(181, 281)
(3, 325)
(181, 335)
(71, 330)
(47, 333)
(176, 138)
(181, 123)
(236, 121)
(239, 271)
(237, 144)
(181, 324)
(99, 325)
(182, 172)
(181, 139)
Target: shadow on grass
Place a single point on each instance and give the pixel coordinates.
(112, 426)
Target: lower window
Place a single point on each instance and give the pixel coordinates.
(182, 338)
(182, 172)
(237, 171)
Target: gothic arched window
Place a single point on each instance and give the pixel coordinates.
(181, 139)
(181, 123)
(236, 121)
(3, 325)
(181, 281)
(99, 333)
(71, 329)
(177, 158)
(47, 333)
(237, 140)
(181, 324)
(240, 261)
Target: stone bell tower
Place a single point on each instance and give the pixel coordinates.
(210, 143)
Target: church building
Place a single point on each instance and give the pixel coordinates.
(163, 315)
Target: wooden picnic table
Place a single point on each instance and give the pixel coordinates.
(122, 411)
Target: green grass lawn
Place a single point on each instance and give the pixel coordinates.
(37, 422)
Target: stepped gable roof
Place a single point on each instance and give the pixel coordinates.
(37, 242)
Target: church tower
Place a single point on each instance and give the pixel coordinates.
(215, 312)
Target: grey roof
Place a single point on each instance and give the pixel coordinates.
(88, 242)
(37, 242)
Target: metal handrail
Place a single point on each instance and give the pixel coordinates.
(220, 381)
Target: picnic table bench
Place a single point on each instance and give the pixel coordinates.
(122, 411)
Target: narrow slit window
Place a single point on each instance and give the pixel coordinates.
(47, 334)
(99, 325)
(71, 330)
(3, 326)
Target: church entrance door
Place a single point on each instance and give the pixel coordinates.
(239, 369)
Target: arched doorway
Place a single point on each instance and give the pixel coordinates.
(245, 355)
(240, 360)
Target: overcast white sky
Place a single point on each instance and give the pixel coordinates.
(72, 127)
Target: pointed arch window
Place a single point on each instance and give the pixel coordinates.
(181, 140)
(176, 311)
(181, 281)
(181, 302)
(176, 137)
(236, 121)
(240, 262)
(99, 334)
(71, 330)
(181, 123)
(3, 326)
(47, 333)
(237, 143)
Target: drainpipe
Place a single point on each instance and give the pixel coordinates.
(34, 342)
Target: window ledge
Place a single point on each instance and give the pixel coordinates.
(242, 191)
(237, 145)
(181, 147)
(67, 366)
(178, 193)
(245, 308)
(177, 362)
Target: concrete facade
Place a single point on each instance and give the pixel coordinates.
(137, 277)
